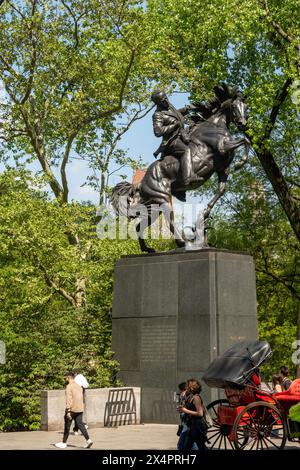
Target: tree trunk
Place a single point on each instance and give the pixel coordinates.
(102, 198)
(80, 292)
(288, 203)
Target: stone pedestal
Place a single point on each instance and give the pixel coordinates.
(173, 314)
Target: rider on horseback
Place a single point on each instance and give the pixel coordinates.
(168, 123)
(213, 148)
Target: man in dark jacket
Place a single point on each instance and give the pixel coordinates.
(168, 123)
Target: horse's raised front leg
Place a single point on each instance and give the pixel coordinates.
(232, 144)
(244, 158)
(223, 177)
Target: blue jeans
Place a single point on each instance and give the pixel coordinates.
(197, 434)
(183, 437)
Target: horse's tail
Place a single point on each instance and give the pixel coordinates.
(123, 196)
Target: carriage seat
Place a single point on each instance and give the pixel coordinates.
(292, 394)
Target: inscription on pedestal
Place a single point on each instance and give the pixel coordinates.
(158, 343)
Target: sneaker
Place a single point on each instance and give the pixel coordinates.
(76, 433)
(88, 444)
(86, 426)
(61, 445)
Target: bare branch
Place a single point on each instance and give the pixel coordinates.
(280, 97)
(281, 281)
(76, 37)
(103, 165)
(75, 19)
(117, 169)
(136, 117)
(8, 67)
(116, 22)
(34, 42)
(54, 286)
(10, 92)
(64, 164)
(39, 149)
(121, 11)
(279, 29)
(16, 9)
(38, 146)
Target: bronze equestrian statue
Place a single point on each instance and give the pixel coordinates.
(188, 158)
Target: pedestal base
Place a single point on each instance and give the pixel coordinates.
(173, 314)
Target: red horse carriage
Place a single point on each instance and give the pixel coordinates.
(250, 418)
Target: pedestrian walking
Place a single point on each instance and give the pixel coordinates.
(74, 411)
(83, 383)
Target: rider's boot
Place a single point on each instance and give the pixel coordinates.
(186, 166)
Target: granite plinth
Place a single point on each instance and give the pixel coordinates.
(173, 313)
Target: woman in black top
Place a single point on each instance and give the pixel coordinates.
(194, 416)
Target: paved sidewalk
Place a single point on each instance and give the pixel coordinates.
(134, 437)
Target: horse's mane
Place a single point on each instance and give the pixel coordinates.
(226, 92)
(223, 93)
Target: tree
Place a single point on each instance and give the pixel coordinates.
(100, 152)
(255, 44)
(68, 69)
(43, 332)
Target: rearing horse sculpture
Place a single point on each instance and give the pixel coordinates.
(212, 147)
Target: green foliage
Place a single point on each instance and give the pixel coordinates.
(44, 335)
(251, 220)
(254, 44)
(70, 66)
(68, 69)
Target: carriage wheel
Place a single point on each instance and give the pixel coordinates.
(262, 425)
(219, 434)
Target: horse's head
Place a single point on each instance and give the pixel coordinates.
(232, 104)
(238, 112)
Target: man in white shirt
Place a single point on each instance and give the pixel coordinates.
(80, 380)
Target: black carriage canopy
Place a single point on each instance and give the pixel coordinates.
(234, 368)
